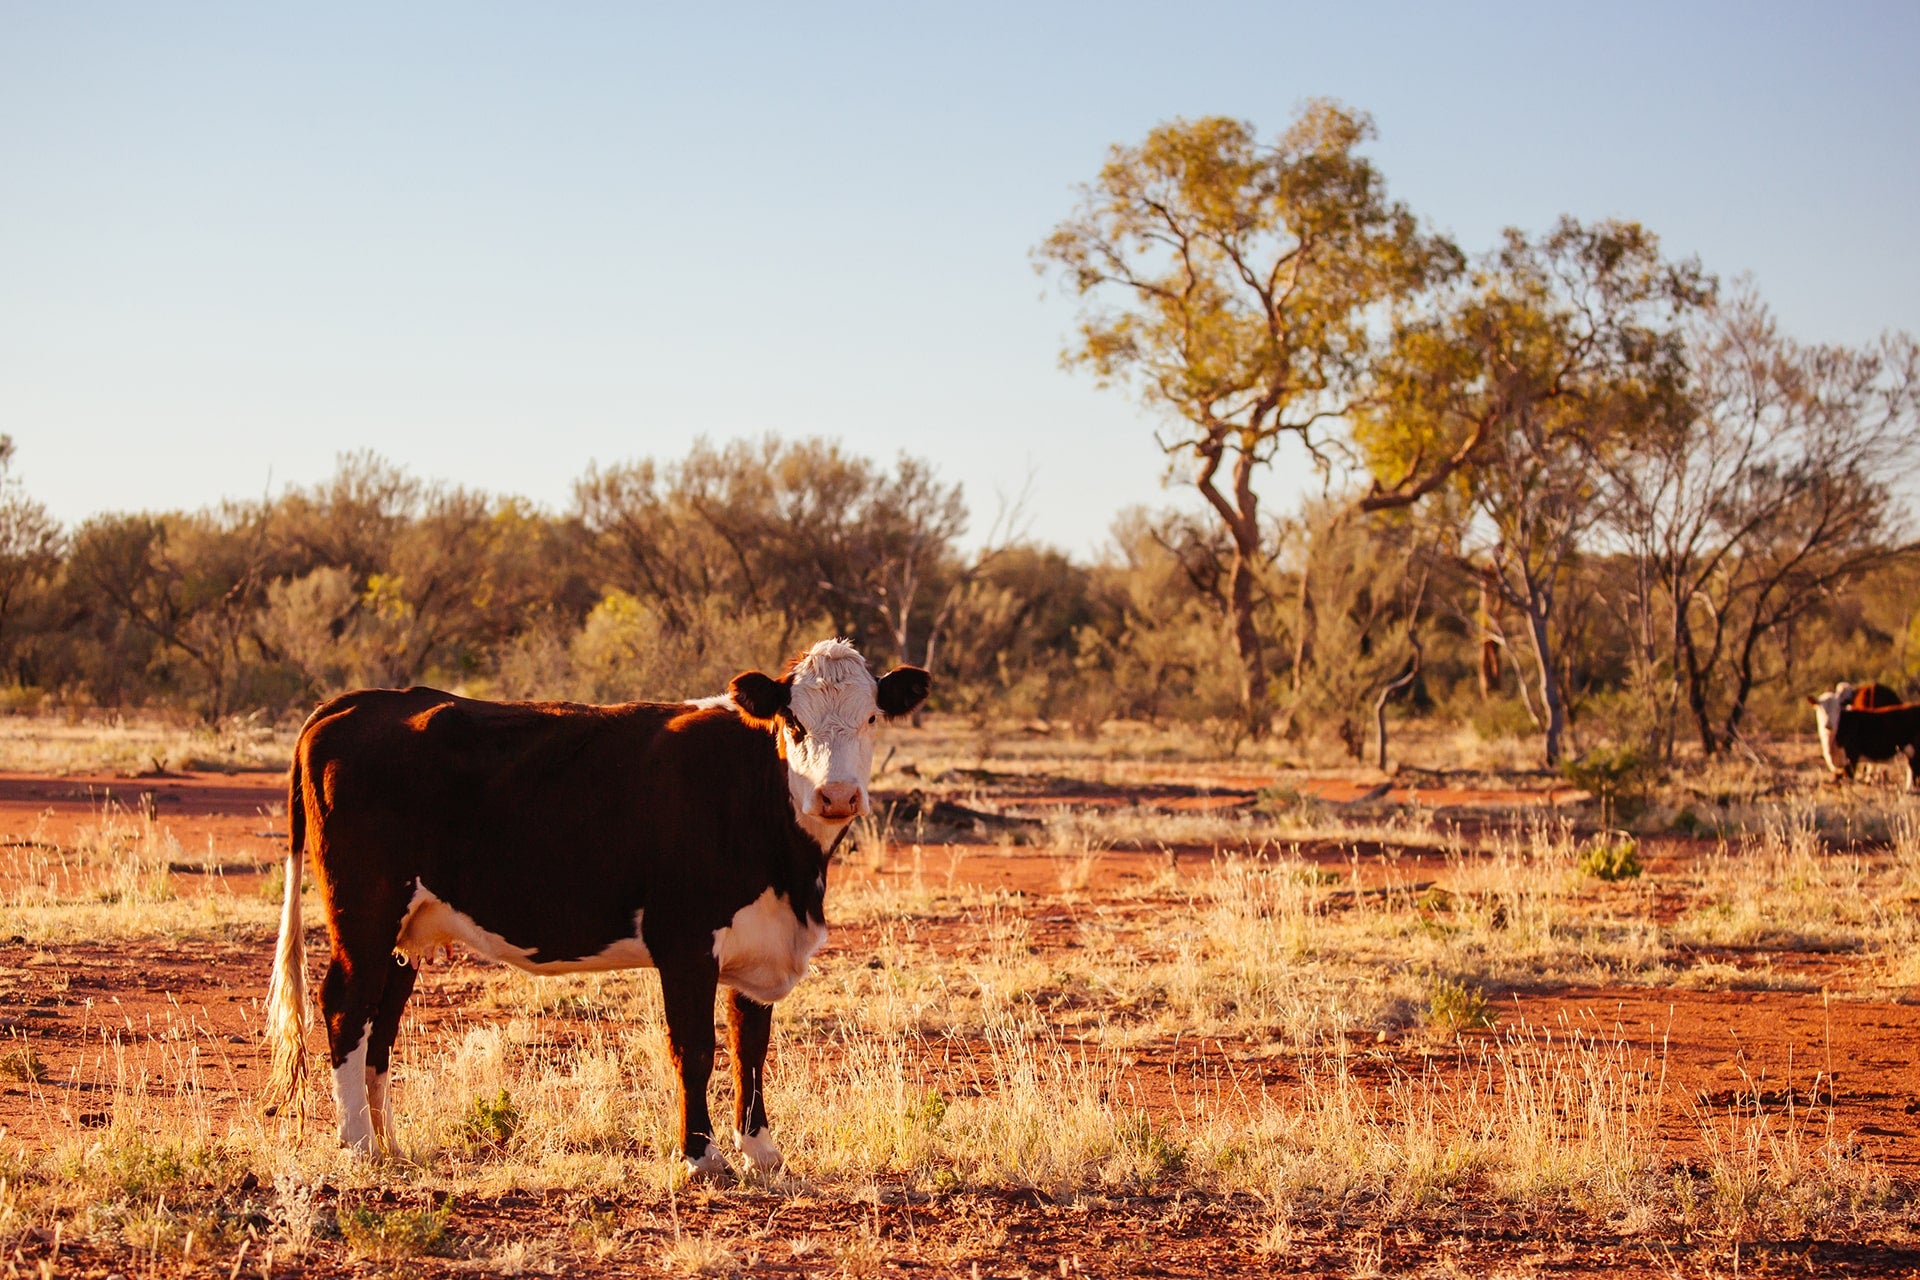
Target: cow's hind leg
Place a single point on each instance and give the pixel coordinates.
(350, 1001)
(687, 990)
(386, 1027)
(749, 1031)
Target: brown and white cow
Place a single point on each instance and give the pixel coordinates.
(690, 838)
(1827, 708)
(1879, 733)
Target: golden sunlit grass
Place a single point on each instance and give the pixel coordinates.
(131, 745)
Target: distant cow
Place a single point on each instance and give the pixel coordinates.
(1827, 708)
(691, 838)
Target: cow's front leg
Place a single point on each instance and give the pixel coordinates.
(687, 989)
(749, 1030)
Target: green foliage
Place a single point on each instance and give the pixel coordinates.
(24, 1065)
(1619, 778)
(21, 700)
(1155, 647)
(1235, 286)
(1453, 1005)
(388, 1235)
(491, 1121)
(1611, 856)
(1157, 1154)
(273, 885)
(1500, 717)
(628, 649)
(928, 1110)
(141, 1170)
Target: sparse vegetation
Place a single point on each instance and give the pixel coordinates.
(1456, 1006)
(387, 1235)
(1611, 855)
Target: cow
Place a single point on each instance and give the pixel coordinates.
(1827, 708)
(1883, 733)
(690, 838)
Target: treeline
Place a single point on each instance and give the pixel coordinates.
(664, 577)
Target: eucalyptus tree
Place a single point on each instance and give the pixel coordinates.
(1235, 287)
(1798, 460)
(1547, 359)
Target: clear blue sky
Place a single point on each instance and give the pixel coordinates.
(498, 242)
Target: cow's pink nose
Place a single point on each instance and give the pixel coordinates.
(839, 800)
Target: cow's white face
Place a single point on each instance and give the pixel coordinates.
(1826, 714)
(828, 712)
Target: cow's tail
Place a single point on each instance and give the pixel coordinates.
(287, 992)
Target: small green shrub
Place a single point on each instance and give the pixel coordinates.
(1611, 855)
(1456, 1006)
(21, 700)
(273, 885)
(1496, 719)
(1618, 777)
(491, 1122)
(928, 1110)
(389, 1234)
(1159, 1155)
(24, 1065)
(143, 1171)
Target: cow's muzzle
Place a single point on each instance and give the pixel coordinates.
(838, 800)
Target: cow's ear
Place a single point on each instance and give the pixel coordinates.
(1812, 701)
(902, 689)
(760, 695)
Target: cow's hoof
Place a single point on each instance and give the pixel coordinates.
(361, 1146)
(758, 1151)
(710, 1167)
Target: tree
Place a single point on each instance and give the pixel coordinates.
(195, 583)
(1233, 287)
(1550, 357)
(1361, 606)
(1811, 508)
(30, 547)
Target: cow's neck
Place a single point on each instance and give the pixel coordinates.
(825, 833)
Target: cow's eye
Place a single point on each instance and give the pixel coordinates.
(874, 718)
(797, 730)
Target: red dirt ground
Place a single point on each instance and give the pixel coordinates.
(1845, 1062)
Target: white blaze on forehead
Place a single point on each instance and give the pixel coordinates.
(835, 699)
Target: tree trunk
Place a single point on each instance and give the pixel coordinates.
(1489, 645)
(1246, 640)
(1697, 689)
(1552, 699)
(1380, 710)
(1744, 678)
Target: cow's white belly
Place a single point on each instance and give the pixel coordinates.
(765, 951)
(431, 923)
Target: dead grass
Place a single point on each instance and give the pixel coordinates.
(133, 745)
